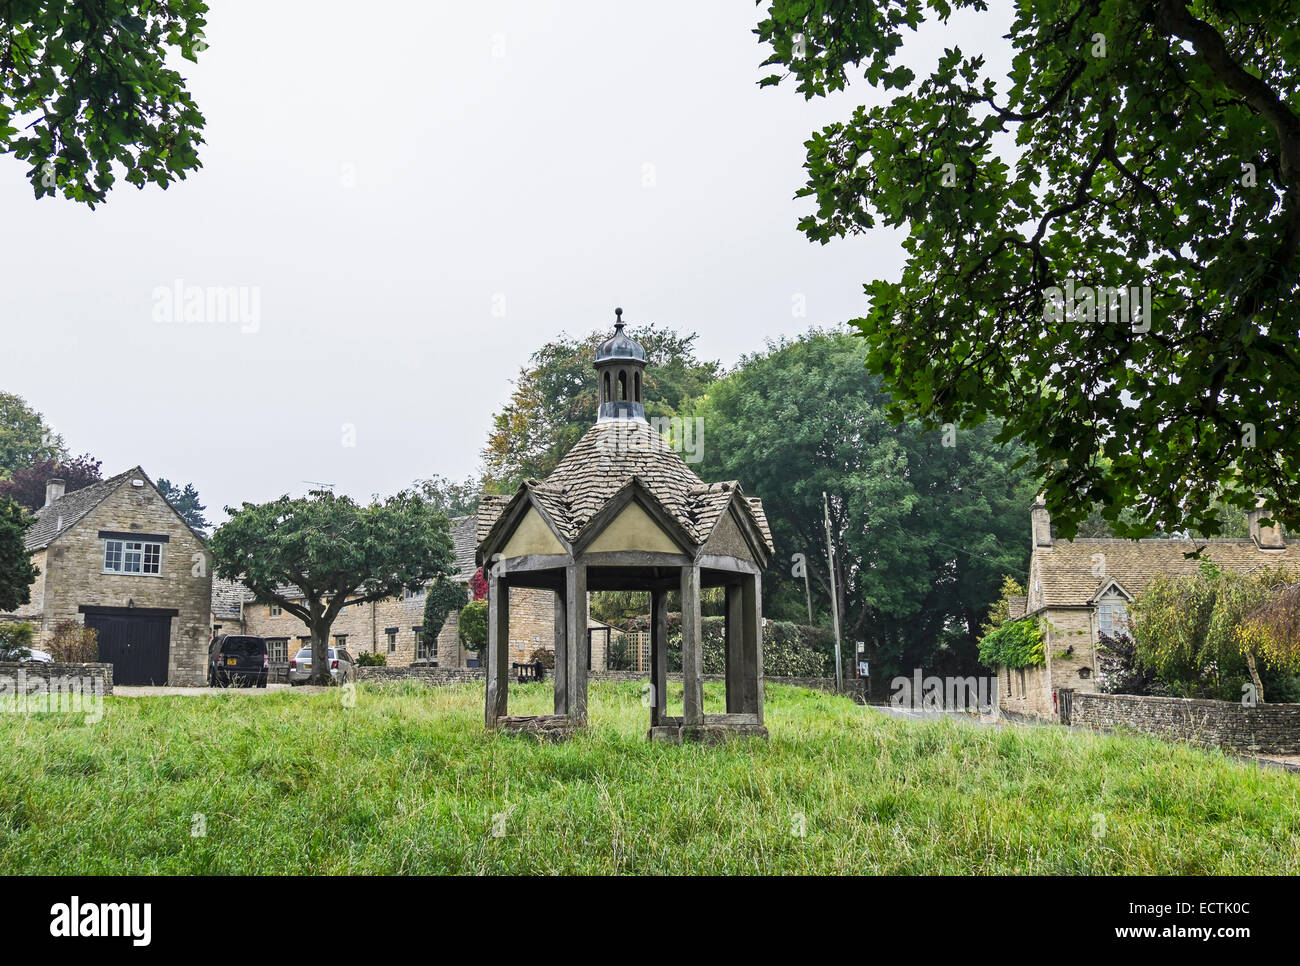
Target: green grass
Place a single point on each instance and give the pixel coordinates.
(409, 782)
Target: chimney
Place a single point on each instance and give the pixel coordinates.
(53, 490)
(1040, 522)
(1266, 536)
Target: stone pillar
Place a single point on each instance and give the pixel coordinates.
(735, 637)
(498, 650)
(575, 641)
(658, 656)
(561, 672)
(692, 649)
(752, 644)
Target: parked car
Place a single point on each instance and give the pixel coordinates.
(342, 666)
(238, 659)
(39, 657)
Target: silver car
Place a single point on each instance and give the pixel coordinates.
(342, 666)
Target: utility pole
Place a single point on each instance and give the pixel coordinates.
(835, 607)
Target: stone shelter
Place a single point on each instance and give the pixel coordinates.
(623, 511)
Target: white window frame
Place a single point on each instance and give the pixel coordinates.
(1107, 608)
(137, 552)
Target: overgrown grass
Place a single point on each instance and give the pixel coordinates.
(409, 782)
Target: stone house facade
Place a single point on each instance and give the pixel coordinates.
(116, 557)
(1080, 589)
(392, 627)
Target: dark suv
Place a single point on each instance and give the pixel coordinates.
(239, 660)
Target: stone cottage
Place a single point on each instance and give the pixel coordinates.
(1080, 589)
(393, 627)
(116, 557)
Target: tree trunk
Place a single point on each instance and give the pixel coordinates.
(1254, 677)
(320, 653)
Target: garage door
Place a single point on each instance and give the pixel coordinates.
(137, 645)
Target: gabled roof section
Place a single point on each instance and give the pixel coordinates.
(68, 510)
(1108, 587)
(1065, 571)
(606, 460)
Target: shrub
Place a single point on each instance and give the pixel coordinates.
(472, 627)
(371, 659)
(789, 649)
(74, 643)
(16, 641)
(1015, 644)
(543, 656)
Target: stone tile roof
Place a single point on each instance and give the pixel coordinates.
(1065, 571)
(227, 596)
(464, 537)
(1016, 607)
(603, 461)
(68, 510)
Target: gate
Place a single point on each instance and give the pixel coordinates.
(138, 646)
(1065, 703)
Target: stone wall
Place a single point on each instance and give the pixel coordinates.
(98, 675)
(1265, 729)
(1026, 691)
(366, 628)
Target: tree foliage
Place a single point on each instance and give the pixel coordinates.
(1195, 629)
(555, 400)
(16, 568)
(335, 552)
(16, 640)
(25, 439)
(472, 625)
(1014, 644)
(925, 523)
(85, 88)
(441, 598)
(26, 486)
(186, 503)
(1131, 143)
(452, 498)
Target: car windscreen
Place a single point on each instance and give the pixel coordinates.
(244, 646)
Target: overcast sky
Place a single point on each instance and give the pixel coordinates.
(418, 195)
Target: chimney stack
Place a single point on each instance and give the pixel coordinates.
(53, 490)
(1040, 522)
(1266, 536)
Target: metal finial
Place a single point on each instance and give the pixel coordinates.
(618, 318)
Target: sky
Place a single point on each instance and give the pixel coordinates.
(410, 199)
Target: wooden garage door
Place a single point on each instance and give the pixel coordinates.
(138, 646)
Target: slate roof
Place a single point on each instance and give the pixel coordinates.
(69, 509)
(606, 459)
(227, 595)
(1065, 571)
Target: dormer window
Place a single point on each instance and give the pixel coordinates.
(1112, 616)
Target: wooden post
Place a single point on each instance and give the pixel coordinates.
(692, 649)
(575, 639)
(735, 624)
(658, 656)
(498, 650)
(561, 661)
(752, 606)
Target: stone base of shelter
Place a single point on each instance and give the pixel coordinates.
(551, 727)
(716, 728)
